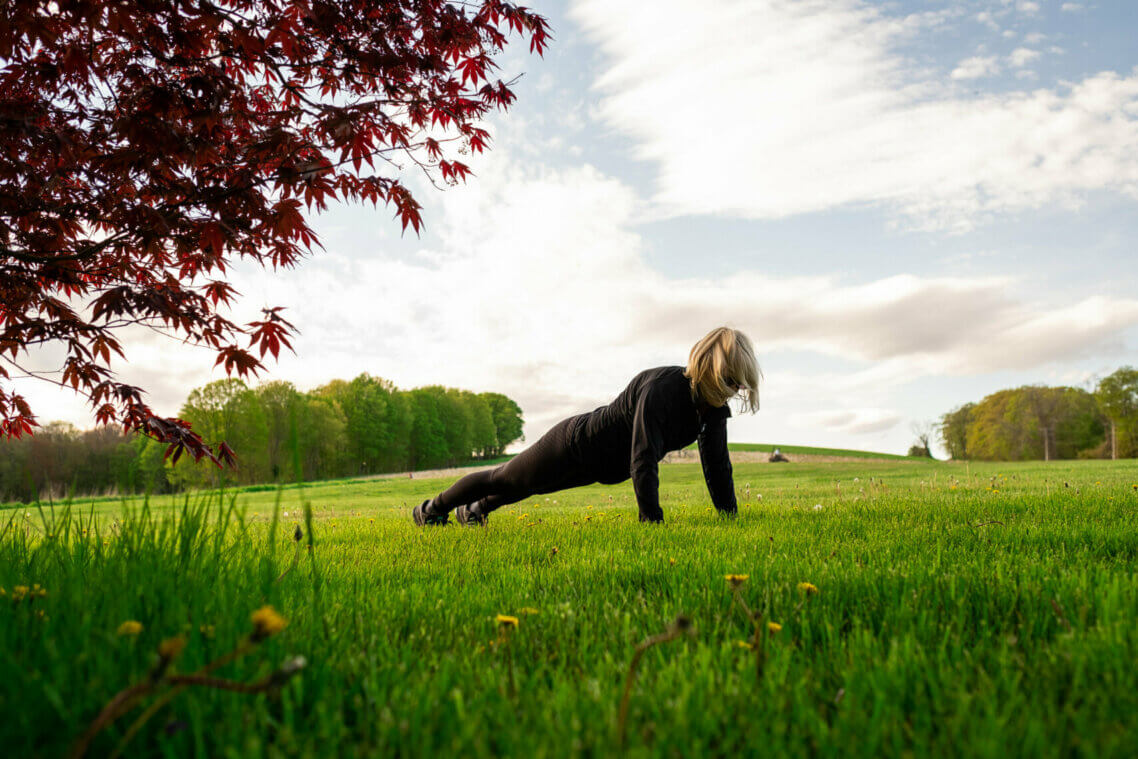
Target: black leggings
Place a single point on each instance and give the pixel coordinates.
(544, 467)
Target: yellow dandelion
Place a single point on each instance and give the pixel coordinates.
(529, 610)
(773, 627)
(737, 580)
(206, 631)
(506, 620)
(808, 588)
(523, 516)
(744, 644)
(171, 648)
(672, 562)
(130, 627)
(266, 622)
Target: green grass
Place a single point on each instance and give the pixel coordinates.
(807, 450)
(989, 610)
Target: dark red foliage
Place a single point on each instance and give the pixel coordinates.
(146, 145)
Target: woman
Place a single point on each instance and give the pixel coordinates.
(661, 410)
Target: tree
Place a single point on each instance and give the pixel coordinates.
(483, 435)
(226, 410)
(280, 403)
(145, 147)
(366, 405)
(1117, 396)
(1033, 422)
(428, 434)
(321, 437)
(954, 431)
(508, 421)
(923, 432)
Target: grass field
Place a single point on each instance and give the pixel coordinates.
(989, 610)
(791, 450)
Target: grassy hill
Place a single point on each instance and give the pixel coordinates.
(806, 450)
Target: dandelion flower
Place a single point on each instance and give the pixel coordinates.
(171, 648)
(130, 627)
(266, 622)
(506, 620)
(736, 580)
(808, 588)
(773, 627)
(206, 631)
(744, 644)
(817, 507)
(529, 610)
(523, 516)
(672, 562)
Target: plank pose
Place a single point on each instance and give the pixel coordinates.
(661, 410)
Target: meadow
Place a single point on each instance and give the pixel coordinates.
(874, 608)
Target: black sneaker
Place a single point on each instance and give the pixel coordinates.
(467, 516)
(425, 518)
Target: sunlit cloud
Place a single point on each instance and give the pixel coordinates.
(779, 108)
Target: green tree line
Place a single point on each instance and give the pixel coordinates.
(344, 428)
(1039, 422)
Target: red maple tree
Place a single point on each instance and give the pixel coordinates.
(146, 145)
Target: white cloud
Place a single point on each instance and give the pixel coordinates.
(1022, 56)
(986, 18)
(977, 67)
(1027, 6)
(1071, 7)
(779, 108)
(859, 421)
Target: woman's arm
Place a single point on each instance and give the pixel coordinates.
(647, 450)
(716, 464)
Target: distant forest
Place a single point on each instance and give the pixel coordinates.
(1038, 422)
(344, 428)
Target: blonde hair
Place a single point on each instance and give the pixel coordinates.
(724, 354)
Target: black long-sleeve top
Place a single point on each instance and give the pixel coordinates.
(653, 415)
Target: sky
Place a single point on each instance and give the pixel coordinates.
(905, 205)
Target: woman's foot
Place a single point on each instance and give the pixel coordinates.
(469, 516)
(424, 517)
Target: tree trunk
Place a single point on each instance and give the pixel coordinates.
(1113, 441)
